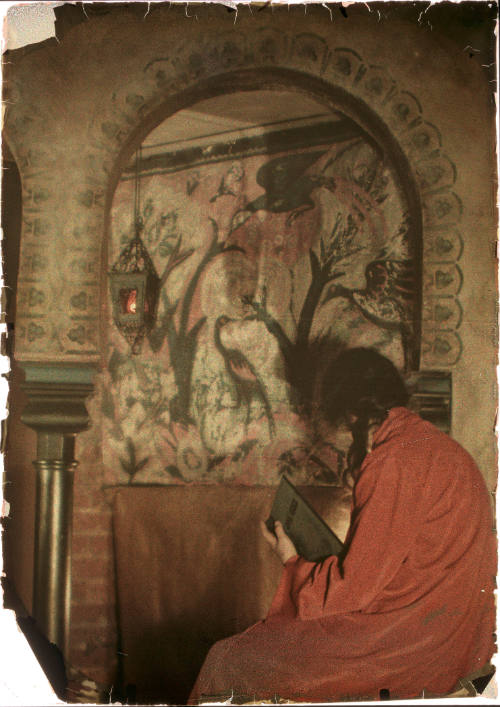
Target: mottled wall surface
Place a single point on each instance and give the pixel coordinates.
(258, 257)
(76, 111)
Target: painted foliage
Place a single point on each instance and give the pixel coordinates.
(259, 257)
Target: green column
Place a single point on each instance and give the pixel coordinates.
(56, 411)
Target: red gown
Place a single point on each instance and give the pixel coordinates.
(412, 606)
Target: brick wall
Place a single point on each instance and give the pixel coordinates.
(93, 633)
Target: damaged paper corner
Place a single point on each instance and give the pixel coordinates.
(27, 23)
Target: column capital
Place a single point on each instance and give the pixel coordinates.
(56, 398)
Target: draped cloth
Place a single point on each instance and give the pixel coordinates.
(409, 608)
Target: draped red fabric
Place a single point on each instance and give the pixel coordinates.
(410, 608)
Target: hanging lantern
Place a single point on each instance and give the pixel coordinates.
(134, 283)
(134, 291)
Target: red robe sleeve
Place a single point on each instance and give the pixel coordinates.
(384, 524)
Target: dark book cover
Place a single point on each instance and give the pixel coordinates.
(309, 533)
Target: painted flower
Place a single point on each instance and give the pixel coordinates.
(182, 451)
(192, 455)
(285, 456)
(325, 463)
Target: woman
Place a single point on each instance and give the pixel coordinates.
(410, 606)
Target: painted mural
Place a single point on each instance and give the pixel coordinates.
(261, 257)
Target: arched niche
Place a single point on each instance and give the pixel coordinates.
(170, 345)
(334, 98)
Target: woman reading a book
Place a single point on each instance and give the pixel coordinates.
(408, 606)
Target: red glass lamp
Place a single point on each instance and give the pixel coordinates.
(134, 291)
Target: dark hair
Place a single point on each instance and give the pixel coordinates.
(360, 383)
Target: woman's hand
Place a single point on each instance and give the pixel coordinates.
(280, 542)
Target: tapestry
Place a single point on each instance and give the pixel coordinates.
(261, 257)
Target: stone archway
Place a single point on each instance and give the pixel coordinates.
(55, 329)
(391, 116)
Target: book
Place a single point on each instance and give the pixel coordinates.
(312, 537)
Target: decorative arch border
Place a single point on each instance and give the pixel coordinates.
(190, 71)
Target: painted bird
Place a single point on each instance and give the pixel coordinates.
(247, 382)
(286, 187)
(229, 182)
(387, 300)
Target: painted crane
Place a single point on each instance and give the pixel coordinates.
(243, 374)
